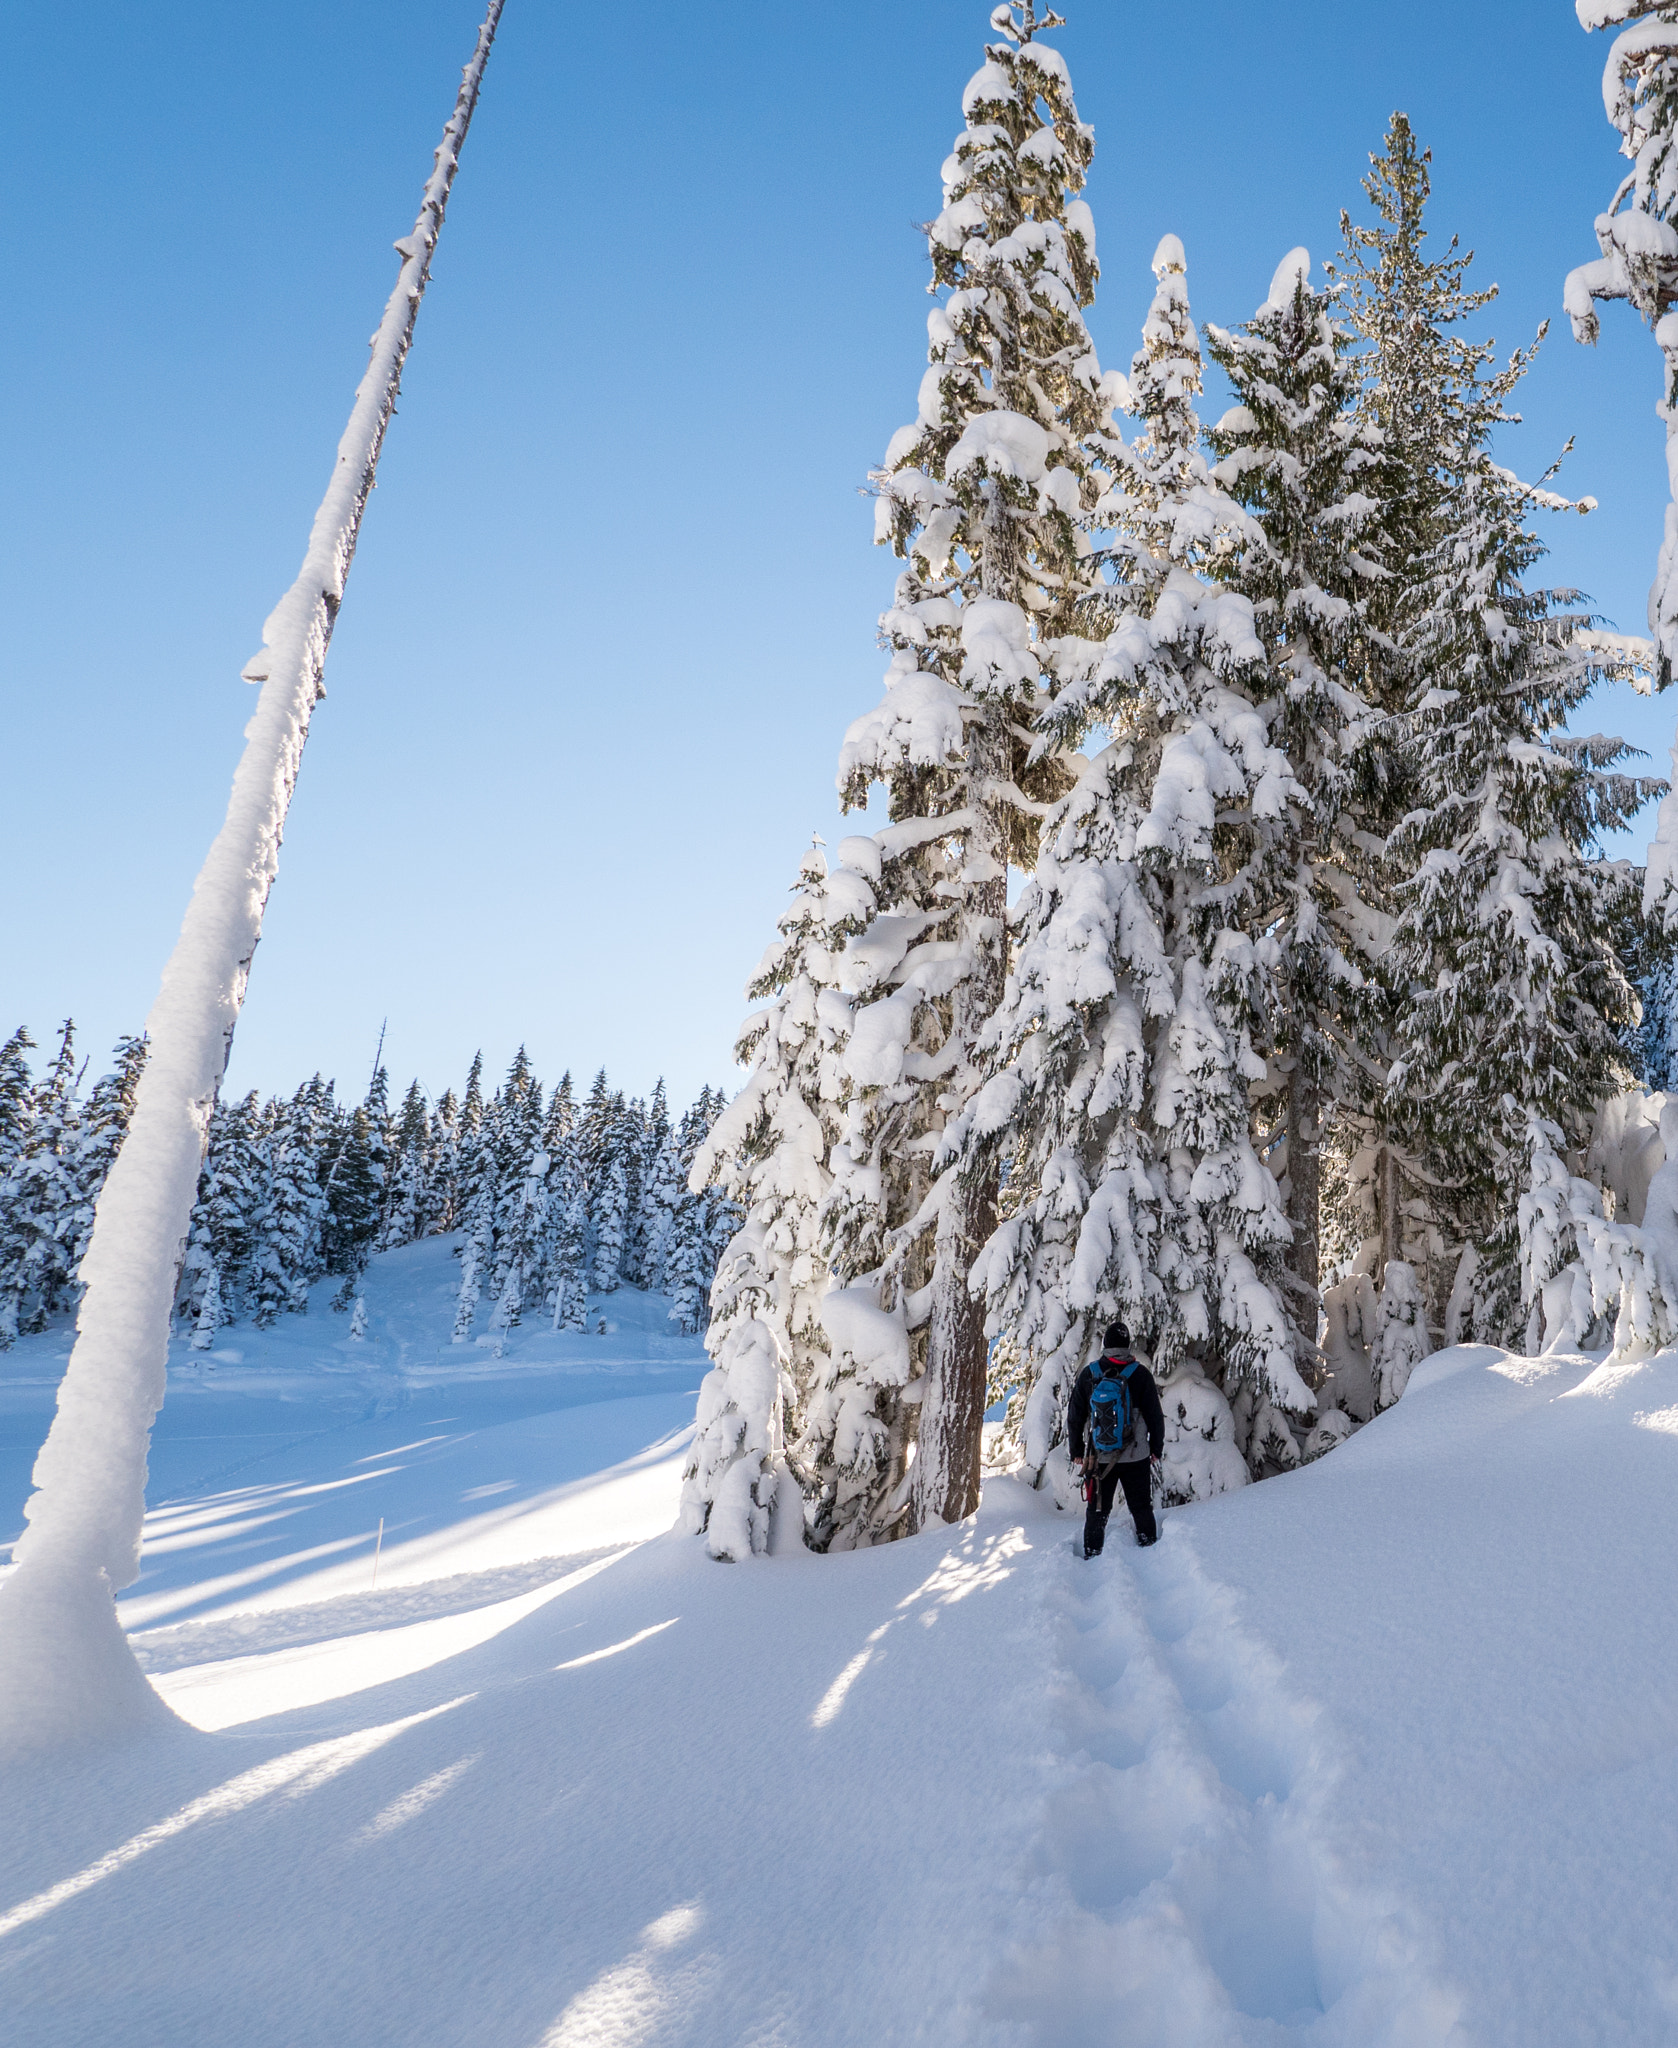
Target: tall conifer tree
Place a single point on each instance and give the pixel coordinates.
(774, 1389)
(100, 1127)
(1120, 1060)
(15, 1110)
(1514, 928)
(43, 1193)
(980, 497)
(1296, 454)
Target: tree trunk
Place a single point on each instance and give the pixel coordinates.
(1304, 1189)
(1388, 1199)
(946, 1483)
(66, 1672)
(952, 1420)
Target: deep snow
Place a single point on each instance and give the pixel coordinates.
(1385, 1751)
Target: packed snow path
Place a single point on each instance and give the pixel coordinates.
(1184, 1871)
(1383, 1754)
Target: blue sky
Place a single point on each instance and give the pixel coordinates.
(615, 599)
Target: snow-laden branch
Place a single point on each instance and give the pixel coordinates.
(65, 1670)
(1638, 239)
(1631, 657)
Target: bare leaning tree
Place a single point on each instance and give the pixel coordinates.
(67, 1674)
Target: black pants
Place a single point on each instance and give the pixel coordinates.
(1137, 1480)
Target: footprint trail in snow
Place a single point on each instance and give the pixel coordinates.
(1184, 1889)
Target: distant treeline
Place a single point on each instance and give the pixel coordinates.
(553, 1197)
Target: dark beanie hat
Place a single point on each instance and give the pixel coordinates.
(1117, 1338)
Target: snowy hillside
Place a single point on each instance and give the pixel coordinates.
(1384, 1751)
(279, 1452)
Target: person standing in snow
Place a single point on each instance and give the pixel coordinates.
(1117, 1428)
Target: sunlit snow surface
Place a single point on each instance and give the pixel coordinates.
(1384, 1752)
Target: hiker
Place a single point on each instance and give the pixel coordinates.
(1117, 1428)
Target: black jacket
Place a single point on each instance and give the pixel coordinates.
(1144, 1396)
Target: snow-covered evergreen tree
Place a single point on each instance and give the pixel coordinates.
(565, 1258)
(662, 1189)
(289, 1257)
(980, 496)
(14, 1097)
(704, 1223)
(688, 1280)
(1474, 768)
(406, 1206)
(298, 1213)
(521, 1198)
(1119, 1063)
(377, 1111)
(234, 1193)
(100, 1127)
(198, 1262)
(15, 1105)
(467, 1142)
(609, 1200)
(521, 1220)
(354, 1200)
(1518, 1002)
(594, 1121)
(476, 1197)
(774, 1385)
(1296, 451)
(42, 1196)
(655, 1194)
(442, 1166)
(562, 1113)
(1405, 305)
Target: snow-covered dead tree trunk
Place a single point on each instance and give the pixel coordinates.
(66, 1672)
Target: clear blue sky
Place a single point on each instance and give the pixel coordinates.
(615, 599)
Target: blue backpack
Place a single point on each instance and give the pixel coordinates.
(1110, 1406)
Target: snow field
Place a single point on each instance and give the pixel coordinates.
(1381, 1752)
(1482, 1590)
(598, 1831)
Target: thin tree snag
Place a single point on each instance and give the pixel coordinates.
(66, 1672)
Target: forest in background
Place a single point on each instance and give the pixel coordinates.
(555, 1197)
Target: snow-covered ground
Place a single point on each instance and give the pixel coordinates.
(1384, 1752)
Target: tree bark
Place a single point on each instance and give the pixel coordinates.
(946, 1480)
(1389, 1196)
(1305, 1186)
(952, 1421)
